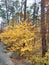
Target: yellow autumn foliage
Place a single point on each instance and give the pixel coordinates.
(20, 37)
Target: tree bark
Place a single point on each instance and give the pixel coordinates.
(43, 28)
(6, 11)
(25, 4)
(48, 22)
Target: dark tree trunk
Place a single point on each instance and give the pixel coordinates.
(6, 11)
(43, 28)
(25, 3)
(34, 13)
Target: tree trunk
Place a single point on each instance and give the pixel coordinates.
(6, 11)
(48, 22)
(43, 28)
(25, 3)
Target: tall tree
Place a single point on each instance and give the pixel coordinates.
(6, 5)
(43, 28)
(35, 13)
(47, 20)
(8, 9)
(2, 10)
(25, 5)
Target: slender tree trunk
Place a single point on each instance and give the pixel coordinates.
(21, 10)
(25, 3)
(43, 28)
(6, 11)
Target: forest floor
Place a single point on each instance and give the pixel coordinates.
(4, 57)
(6, 60)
